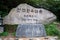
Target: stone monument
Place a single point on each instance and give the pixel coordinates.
(30, 20)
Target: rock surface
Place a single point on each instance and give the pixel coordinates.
(30, 30)
(25, 13)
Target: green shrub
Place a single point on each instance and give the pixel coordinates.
(52, 30)
(14, 33)
(4, 34)
(10, 28)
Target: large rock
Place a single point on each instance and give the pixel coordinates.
(25, 13)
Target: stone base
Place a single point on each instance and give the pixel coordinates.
(30, 30)
(40, 38)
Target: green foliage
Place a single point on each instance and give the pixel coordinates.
(52, 30)
(10, 28)
(4, 34)
(7, 33)
(3, 14)
(14, 33)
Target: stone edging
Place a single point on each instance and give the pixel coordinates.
(40, 38)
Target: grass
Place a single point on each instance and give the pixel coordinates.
(4, 34)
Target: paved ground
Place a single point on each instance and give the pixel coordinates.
(11, 37)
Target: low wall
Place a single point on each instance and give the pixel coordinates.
(40, 38)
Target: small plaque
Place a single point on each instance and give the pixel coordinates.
(1, 29)
(0, 23)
